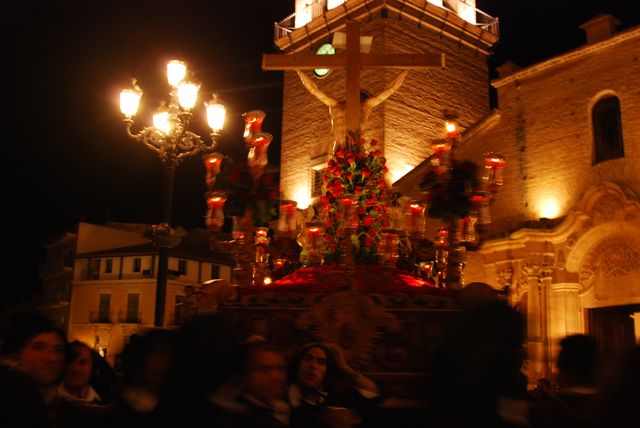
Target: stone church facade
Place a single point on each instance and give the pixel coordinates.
(564, 243)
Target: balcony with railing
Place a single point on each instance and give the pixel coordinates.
(317, 8)
(100, 317)
(129, 317)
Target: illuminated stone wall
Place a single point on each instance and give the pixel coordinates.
(545, 130)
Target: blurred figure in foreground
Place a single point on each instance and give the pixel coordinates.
(572, 403)
(203, 383)
(31, 365)
(477, 378)
(145, 364)
(264, 382)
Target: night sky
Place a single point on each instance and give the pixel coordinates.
(69, 158)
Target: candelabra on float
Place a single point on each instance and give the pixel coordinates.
(454, 195)
(171, 140)
(250, 252)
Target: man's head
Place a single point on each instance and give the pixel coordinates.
(265, 376)
(39, 346)
(312, 368)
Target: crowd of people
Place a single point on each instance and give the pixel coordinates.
(200, 375)
(203, 375)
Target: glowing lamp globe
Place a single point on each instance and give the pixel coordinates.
(176, 72)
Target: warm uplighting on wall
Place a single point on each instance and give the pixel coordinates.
(548, 207)
(397, 173)
(301, 196)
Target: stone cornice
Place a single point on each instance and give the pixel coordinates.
(567, 57)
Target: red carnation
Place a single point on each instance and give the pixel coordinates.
(367, 221)
(365, 173)
(339, 153)
(374, 143)
(368, 242)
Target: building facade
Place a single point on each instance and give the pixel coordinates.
(105, 279)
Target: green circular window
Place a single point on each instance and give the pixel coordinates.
(325, 49)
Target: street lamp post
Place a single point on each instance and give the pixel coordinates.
(170, 139)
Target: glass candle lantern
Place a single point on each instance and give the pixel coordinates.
(441, 156)
(253, 124)
(212, 165)
(237, 230)
(215, 210)
(389, 247)
(261, 241)
(415, 217)
(287, 224)
(494, 162)
(426, 270)
(313, 243)
(257, 158)
(480, 201)
(279, 263)
(348, 216)
(469, 233)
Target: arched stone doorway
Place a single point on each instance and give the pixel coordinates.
(582, 276)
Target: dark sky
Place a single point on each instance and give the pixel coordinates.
(66, 151)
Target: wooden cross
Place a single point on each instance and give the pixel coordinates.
(352, 60)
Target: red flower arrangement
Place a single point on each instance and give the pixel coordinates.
(358, 168)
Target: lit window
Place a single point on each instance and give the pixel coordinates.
(316, 183)
(607, 130)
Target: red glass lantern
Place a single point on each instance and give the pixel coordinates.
(468, 229)
(258, 158)
(389, 247)
(287, 224)
(415, 214)
(348, 216)
(441, 156)
(215, 210)
(261, 241)
(494, 162)
(313, 243)
(253, 123)
(480, 200)
(212, 164)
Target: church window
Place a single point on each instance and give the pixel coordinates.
(316, 182)
(607, 129)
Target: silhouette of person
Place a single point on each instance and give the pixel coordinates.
(573, 404)
(337, 108)
(477, 378)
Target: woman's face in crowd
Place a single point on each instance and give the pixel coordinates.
(313, 368)
(78, 371)
(43, 357)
